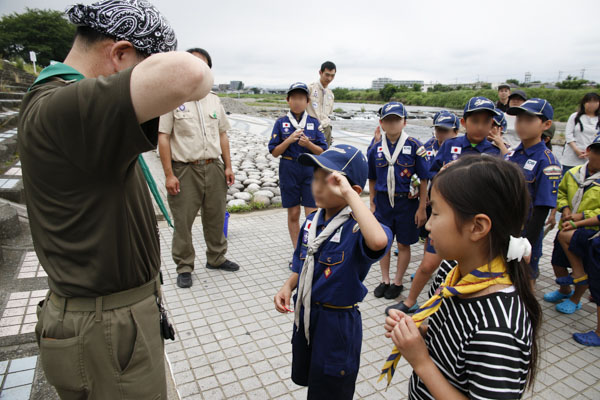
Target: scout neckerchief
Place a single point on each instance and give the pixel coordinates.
(391, 160)
(583, 183)
(297, 125)
(475, 281)
(308, 268)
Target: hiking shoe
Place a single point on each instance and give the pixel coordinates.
(184, 280)
(381, 289)
(226, 266)
(393, 291)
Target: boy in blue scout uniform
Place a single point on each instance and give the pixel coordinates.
(294, 134)
(478, 118)
(393, 161)
(541, 169)
(335, 251)
(446, 126)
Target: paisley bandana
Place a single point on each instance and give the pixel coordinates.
(136, 21)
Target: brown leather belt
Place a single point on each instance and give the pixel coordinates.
(197, 162)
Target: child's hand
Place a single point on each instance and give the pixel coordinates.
(566, 214)
(339, 185)
(391, 321)
(372, 206)
(566, 226)
(551, 221)
(408, 339)
(577, 217)
(294, 137)
(420, 217)
(304, 141)
(377, 134)
(282, 300)
(495, 137)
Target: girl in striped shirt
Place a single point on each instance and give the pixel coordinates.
(481, 337)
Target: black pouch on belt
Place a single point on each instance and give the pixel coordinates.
(166, 329)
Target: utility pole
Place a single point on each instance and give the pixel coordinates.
(582, 73)
(559, 75)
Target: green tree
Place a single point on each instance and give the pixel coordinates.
(388, 91)
(47, 32)
(417, 87)
(571, 83)
(513, 81)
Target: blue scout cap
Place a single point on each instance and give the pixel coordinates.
(480, 103)
(534, 106)
(298, 86)
(595, 142)
(446, 119)
(393, 107)
(500, 120)
(345, 159)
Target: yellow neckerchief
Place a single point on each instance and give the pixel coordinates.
(475, 281)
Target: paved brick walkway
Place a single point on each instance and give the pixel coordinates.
(233, 344)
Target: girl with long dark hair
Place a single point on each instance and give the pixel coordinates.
(481, 339)
(580, 131)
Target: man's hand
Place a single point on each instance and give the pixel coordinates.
(229, 176)
(172, 184)
(339, 185)
(282, 300)
(421, 217)
(304, 141)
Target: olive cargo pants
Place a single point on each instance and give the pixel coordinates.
(119, 357)
(203, 188)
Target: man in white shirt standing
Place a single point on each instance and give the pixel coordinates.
(321, 99)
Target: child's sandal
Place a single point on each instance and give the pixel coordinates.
(581, 281)
(590, 338)
(565, 280)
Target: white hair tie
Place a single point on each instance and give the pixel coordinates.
(518, 248)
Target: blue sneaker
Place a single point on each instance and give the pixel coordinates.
(557, 296)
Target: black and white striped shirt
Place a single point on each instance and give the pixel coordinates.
(481, 345)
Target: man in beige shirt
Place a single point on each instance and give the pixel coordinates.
(192, 139)
(321, 99)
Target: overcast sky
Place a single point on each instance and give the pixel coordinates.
(275, 43)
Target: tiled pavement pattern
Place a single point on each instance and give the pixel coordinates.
(231, 343)
(16, 378)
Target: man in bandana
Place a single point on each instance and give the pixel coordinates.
(83, 124)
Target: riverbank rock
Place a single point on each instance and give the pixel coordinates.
(236, 203)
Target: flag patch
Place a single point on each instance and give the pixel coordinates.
(552, 170)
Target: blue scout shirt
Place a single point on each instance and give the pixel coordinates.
(454, 148)
(542, 172)
(411, 160)
(432, 146)
(341, 263)
(283, 128)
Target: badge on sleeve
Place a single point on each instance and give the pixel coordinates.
(355, 228)
(552, 171)
(421, 152)
(455, 150)
(407, 150)
(529, 165)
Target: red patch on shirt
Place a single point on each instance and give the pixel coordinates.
(327, 272)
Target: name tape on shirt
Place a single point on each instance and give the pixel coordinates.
(310, 127)
(529, 165)
(407, 150)
(337, 236)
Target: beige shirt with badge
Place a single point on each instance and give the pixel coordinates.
(195, 128)
(321, 103)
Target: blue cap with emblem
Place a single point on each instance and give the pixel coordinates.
(480, 103)
(298, 86)
(446, 119)
(345, 159)
(393, 108)
(535, 106)
(500, 120)
(596, 142)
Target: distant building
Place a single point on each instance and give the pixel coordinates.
(380, 83)
(223, 87)
(236, 85)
